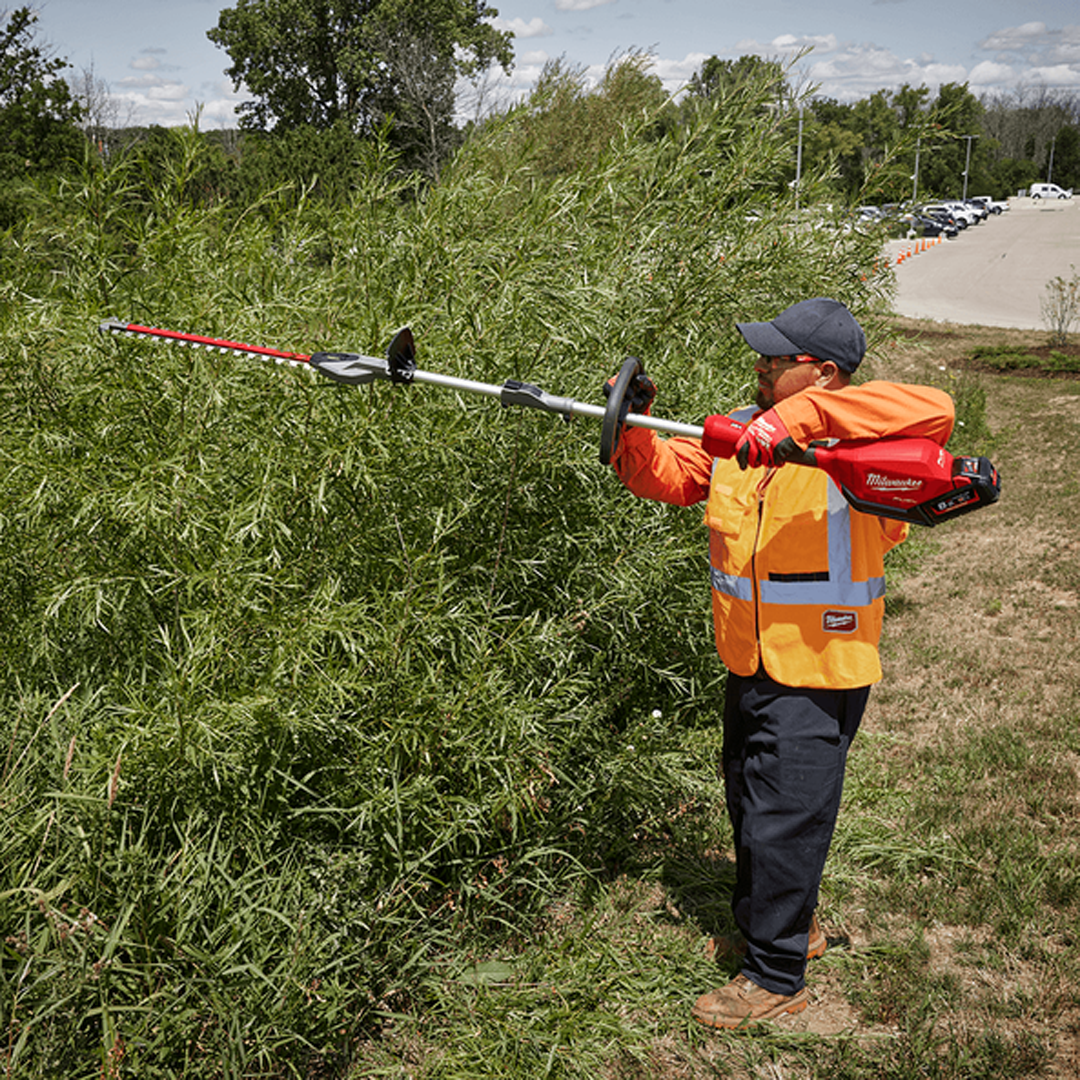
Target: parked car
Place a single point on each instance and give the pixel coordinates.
(945, 213)
(931, 226)
(961, 211)
(975, 207)
(1049, 191)
(916, 222)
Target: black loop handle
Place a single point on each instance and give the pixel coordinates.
(401, 357)
(609, 433)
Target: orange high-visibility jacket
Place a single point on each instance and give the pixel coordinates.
(798, 580)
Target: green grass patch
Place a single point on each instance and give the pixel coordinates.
(1009, 358)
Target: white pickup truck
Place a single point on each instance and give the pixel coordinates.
(995, 206)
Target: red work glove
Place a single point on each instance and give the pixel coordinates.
(765, 442)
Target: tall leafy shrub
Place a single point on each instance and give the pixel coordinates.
(304, 683)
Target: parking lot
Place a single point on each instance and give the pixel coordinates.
(994, 273)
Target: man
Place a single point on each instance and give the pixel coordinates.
(797, 589)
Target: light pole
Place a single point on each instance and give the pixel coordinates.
(915, 174)
(1050, 167)
(967, 163)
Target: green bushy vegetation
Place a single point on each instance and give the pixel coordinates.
(1009, 358)
(305, 685)
(373, 732)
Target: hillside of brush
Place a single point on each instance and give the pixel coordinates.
(308, 689)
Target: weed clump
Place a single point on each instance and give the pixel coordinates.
(1060, 307)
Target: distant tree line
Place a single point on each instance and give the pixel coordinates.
(326, 79)
(1003, 141)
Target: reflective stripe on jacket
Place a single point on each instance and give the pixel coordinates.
(798, 578)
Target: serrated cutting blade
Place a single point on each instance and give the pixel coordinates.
(199, 341)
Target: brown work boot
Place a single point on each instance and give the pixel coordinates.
(734, 945)
(743, 1002)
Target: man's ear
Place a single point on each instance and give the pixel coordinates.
(829, 376)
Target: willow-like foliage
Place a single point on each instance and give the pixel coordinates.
(300, 682)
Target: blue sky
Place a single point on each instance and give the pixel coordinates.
(154, 58)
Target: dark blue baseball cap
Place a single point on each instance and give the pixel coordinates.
(821, 328)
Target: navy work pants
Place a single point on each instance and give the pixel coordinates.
(785, 749)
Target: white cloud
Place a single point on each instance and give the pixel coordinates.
(136, 82)
(791, 44)
(169, 92)
(937, 74)
(580, 5)
(849, 71)
(1067, 51)
(1035, 43)
(150, 99)
(152, 59)
(787, 45)
(521, 29)
(219, 105)
(989, 73)
(675, 74)
(852, 72)
(1015, 37)
(1033, 54)
(1060, 75)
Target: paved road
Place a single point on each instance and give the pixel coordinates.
(994, 273)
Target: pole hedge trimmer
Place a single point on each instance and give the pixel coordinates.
(907, 479)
